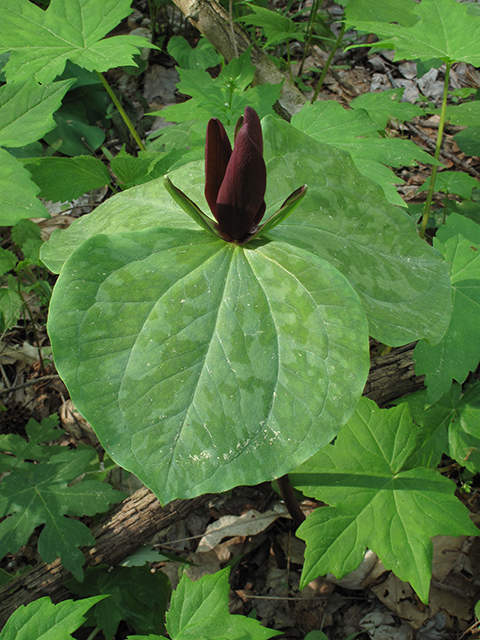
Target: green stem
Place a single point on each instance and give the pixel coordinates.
(311, 24)
(327, 64)
(290, 500)
(436, 155)
(121, 111)
(289, 62)
(94, 633)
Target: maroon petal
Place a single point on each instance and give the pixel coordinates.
(240, 200)
(217, 154)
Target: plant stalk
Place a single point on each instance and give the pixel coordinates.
(311, 24)
(122, 112)
(328, 63)
(290, 500)
(436, 155)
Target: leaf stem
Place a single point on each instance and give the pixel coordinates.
(290, 500)
(327, 64)
(121, 111)
(436, 155)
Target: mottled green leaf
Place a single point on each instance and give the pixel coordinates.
(207, 353)
(344, 218)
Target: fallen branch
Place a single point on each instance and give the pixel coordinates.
(211, 19)
(130, 524)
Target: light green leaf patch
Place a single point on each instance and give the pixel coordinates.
(207, 353)
(444, 31)
(454, 426)
(459, 351)
(18, 193)
(62, 179)
(45, 620)
(366, 479)
(27, 108)
(40, 494)
(41, 42)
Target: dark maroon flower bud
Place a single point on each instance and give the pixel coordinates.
(235, 181)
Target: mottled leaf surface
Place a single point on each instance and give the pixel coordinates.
(344, 218)
(219, 365)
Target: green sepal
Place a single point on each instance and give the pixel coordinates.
(191, 208)
(288, 207)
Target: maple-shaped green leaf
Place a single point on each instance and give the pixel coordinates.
(136, 595)
(466, 114)
(18, 192)
(444, 31)
(355, 132)
(199, 610)
(40, 42)
(377, 500)
(203, 56)
(26, 110)
(278, 28)
(459, 351)
(457, 182)
(146, 166)
(40, 494)
(454, 426)
(385, 105)
(224, 97)
(41, 619)
(62, 179)
(400, 11)
(21, 450)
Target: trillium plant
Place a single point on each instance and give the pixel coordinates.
(235, 184)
